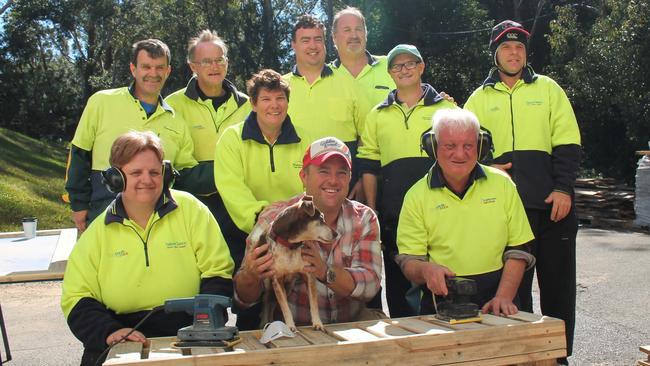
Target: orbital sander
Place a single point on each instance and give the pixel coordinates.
(457, 308)
(208, 329)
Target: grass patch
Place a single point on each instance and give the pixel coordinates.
(32, 176)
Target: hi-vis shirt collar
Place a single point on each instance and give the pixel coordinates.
(528, 75)
(192, 92)
(161, 101)
(325, 72)
(372, 60)
(429, 96)
(252, 131)
(115, 212)
(437, 180)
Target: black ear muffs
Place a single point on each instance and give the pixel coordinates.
(115, 180)
(428, 144)
(169, 174)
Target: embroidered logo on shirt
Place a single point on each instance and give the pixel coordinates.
(198, 127)
(486, 201)
(534, 102)
(441, 206)
(176, 244)
(297, 164)
(120, 253)
(494, 109)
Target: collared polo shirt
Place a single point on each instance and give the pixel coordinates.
(251, 173)
(204, 122)
(374, 81)
(468, 235)
(111, 113)
(330, 106)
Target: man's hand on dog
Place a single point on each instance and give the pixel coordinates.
(314, 262)
(259, 262)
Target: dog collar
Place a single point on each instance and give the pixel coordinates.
(279, 240)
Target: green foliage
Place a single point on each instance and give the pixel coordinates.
(55, 54)
(599, 58)
(32, 182)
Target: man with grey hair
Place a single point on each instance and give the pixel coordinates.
(464, 219)
(209, 104)
(354, 62)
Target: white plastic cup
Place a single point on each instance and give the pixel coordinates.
(29, 226)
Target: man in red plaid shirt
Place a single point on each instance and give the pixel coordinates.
(348, 269)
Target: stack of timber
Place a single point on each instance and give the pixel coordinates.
(520, 339)
(602, 202)
(646, 350)
(642, 201)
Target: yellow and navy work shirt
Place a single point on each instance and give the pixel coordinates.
(204, 122)
(109, 114)
(468, 235)
(251, 173)
(128, 268)
(391, 145)
(374, 81)
(534, 128)
(330, 106)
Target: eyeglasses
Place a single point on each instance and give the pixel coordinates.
(409, 66)
(207, 62)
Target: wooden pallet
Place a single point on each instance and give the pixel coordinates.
(526, 339)
(646, 350)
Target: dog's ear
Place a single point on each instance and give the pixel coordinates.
(282, 223)
(307, 205)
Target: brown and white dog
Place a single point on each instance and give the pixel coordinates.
(295, 224)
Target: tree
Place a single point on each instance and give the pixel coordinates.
(599, 53)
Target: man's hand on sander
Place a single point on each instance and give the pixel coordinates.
(117, 336)
(435, 275)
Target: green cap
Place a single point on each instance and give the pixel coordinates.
(403, 48)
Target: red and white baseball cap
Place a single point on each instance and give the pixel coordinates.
(321, 150)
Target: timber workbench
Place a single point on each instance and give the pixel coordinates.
(523, 338)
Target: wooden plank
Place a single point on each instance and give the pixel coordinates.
(18, 234)
(26, 277)
(645, 349)
(289, 342)
(348, 332)
(420, 326)
(124, 351)
(643, 363)
(526, 317)
(249, 342)
(162, 348)
(384, 329)
(464, 326)
(317, 337)
(489, 319)
(195, 351)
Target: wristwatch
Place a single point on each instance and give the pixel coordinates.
(330, 275)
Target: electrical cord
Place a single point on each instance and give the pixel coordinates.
(150, 313)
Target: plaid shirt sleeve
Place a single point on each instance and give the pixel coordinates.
(365, 266)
